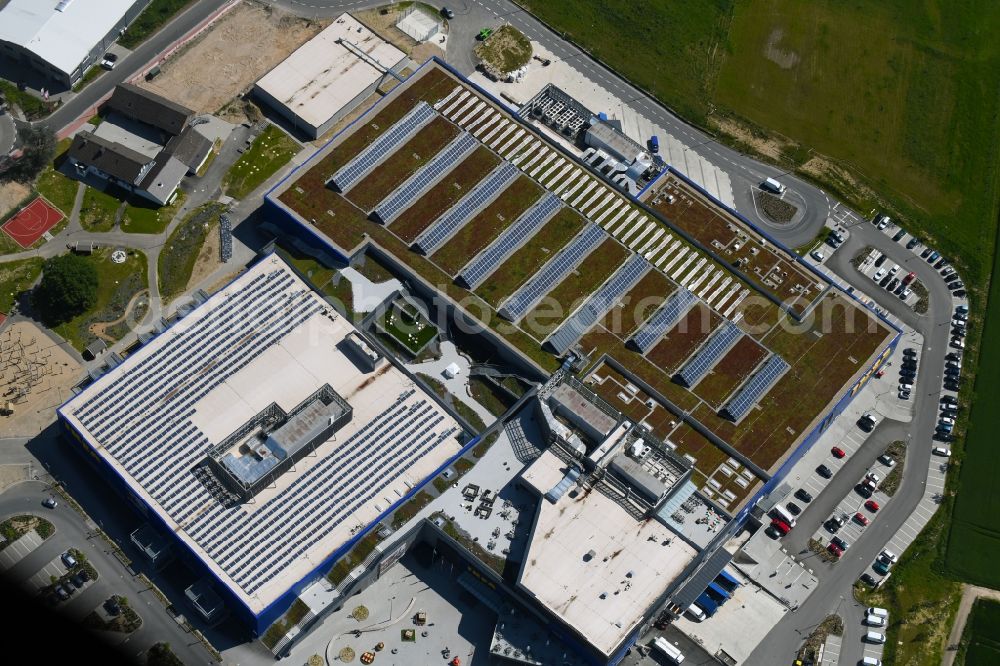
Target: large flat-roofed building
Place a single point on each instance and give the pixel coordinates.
(592, 564)
(61, 39)
(328, 76)
(246, 433)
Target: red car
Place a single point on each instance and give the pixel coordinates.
(781, 526)
(835, 550)
(837, 452)
(872, 505)
(861, 519)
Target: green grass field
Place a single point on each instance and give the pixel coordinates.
(269, 152)
(975, 529)
(97, 213)
(902, 96)
(981, 639)
(15, 277)
(60, 190)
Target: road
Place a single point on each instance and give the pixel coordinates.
(745, 172)
(131, 64)
(833, 593)
(72, 532)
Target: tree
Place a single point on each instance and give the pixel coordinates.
(38, 147)
(68, 288)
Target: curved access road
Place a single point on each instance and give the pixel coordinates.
(833, 594)
(745, 172)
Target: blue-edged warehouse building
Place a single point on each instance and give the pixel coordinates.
(247, 433)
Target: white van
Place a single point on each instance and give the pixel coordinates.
(784, 514)
(880, 612)
(941, 451)
(871, 661)
(696, 613)
(669, 649)
(875, 637)
(874, 620)
(773, 185)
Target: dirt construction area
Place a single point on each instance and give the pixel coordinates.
(35, 378)
(225, 60)
(11, 194)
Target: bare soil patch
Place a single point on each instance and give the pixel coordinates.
(208, 259)
(775, 208)
(229, 57)
(11, 194)
(35, 376)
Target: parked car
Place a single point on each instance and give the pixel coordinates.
(837, 452)
(868, 580)
(867, 422)
(76, 580)
(793, 508)
(817, 255)
(781, 526)
(50, 503)
(874, 620)
(940, 263)
(881, 566)
(887, 460)
(62, 593)
(864, 490)
(873, 477)
(881, 260)
(68, 560)
(879, 274)
(834, 523)
(899, 235)
(893, 283)
(824, 471)
(803, 495)
(941, 451)
(904, 395)
(959, 293)
(912, 243)
(872, 506)
(109, 61)
(861, 519)
(835, 550)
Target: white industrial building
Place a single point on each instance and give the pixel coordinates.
(61, 39)
(329, 76)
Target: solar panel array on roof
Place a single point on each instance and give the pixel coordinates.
(669, 313)
(712, 351)
(598, 304)
(487, 190)
(509, 241)
(383, 146)
(405, 194)
(143, 419)
(568, 258)
(751, 392)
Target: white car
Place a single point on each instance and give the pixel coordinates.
(874, 620)
(879, 274)
(109, 61)
(941, 451)
(894, 269)
(817, 255)
(889, 555)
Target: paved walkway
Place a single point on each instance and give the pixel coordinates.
(458, 385)
(969, 595)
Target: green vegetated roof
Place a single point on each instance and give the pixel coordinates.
(506, 50)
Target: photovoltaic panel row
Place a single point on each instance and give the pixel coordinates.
(406, 194)
(552, 273)
(706, 357)
(487, 190)
(507, 243)
(402, 129)
(598, 304)
(752, 391)
(669, 314)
